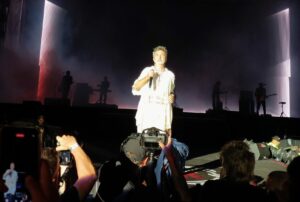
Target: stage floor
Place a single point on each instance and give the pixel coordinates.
(207, 167)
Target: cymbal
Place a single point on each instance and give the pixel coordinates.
(282, 103)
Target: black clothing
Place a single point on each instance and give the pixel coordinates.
(260, 94)
(71, 195)
(227, 190)
(65, 85)
(216, 101)
(104, 89)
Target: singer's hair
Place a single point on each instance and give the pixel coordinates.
(162, 48)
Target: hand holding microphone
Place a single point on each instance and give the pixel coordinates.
(171, 98)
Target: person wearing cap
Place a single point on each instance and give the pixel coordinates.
(134, 172)
(284, 150)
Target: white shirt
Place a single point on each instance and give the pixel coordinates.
(11, 178)
(154, 108)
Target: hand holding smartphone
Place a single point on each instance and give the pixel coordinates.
(20, 145)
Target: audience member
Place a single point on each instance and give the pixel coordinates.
(45, 190)
(275, 186)
(280, 149)
(177, 177)
(133, 177)
(3, 188)
(236, 175)
(51, 156)
(293, 171)
(47, 132)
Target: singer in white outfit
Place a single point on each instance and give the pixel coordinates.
(156, 86)
(11, 177)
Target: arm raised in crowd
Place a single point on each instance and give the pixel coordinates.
(43, 189)
(177, 176)
(85, 170)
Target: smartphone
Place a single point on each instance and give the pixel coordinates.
(20, 145)
(65, 157)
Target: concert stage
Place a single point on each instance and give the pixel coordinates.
(102, 129)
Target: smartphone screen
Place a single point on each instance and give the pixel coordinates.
(65, 158)
(21, 146)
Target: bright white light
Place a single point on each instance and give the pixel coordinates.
(282, 55)
(53, 16)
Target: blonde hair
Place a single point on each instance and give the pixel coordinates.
(162, 48)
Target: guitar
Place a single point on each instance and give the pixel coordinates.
(271, 95)
(262, 98)
(109, 91)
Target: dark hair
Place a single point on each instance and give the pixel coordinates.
(51, 156)
(293, 169)
(293, 178)
(237, 161)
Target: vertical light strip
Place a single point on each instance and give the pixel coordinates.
(284, 24)
(282, 57)
(49, 50)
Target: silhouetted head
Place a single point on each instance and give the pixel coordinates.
(52, 157)
(237, 161)
(41, 120)
(294, 179)
(276, 180)
(293, 170)
(68, 72)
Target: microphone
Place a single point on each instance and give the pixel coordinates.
(151, 78)
(150, 82)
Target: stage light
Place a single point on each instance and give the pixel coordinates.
(48, 61)
(282, 55)
(20, 135)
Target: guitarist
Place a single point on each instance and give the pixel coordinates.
(261, 95)
(216, 100)
(104, 89)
